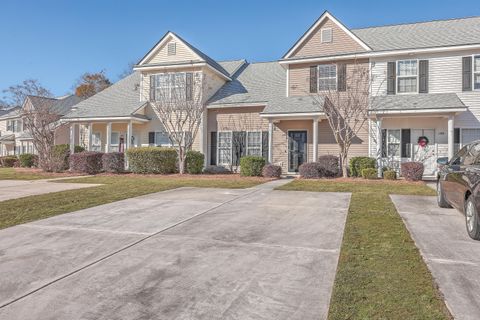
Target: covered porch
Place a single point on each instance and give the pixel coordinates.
(415, 128)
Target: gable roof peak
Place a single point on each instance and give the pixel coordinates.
(325, 15)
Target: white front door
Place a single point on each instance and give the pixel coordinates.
(426, 154)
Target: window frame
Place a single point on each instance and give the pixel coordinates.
(322, 40)
(329, 78)
(475, 56)
(99, 145)
(388, 143)
(247, 147)
(398, 77)
(224, 148)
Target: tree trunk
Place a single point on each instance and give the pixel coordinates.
(344, 164)
(181, 161)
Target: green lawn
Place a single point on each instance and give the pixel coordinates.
(380, 274)
(19, 174)
(114, 188)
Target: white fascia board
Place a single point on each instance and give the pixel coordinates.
(109, 119)
(172, 66)
(236, 105)
(325, 15)
(381, 54)
(422, 111)
(291, 115)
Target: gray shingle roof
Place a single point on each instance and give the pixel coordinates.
(416, 102)
(119, 100)
(422, 35)
(262, 83)
(11, 113)
(232, 66)
(59, 106)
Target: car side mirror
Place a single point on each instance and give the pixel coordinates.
(442, 161)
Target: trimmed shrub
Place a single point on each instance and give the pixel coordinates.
(251, 166)
(194, 162)
(28, 160)
(412, 171)
(330, 166)
(271, 171)
(152, 160)
(389, 175)
(86, 162)
(8, 161)
(216, 170)
(310, 170)
(60, 156)
(113, 162)
(357, 164)
(369, 173)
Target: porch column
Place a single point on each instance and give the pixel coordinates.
(108, 137)
(204, 136)
(450, 136)
(128, 140)
(315, 139)
(379, 147)
(90, 128)
(270, 140)
(72, 138)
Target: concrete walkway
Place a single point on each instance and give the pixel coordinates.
(450, 254)
(183, 254)
(13, 189)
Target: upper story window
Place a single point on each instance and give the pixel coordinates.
(476, 72)
(14, 125)
(327, 77)
(326, 35)
(172, 49)
(407, 76)
(173, 87)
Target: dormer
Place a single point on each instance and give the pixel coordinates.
(174, 55)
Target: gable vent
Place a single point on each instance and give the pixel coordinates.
(326, 35)
(172, 48)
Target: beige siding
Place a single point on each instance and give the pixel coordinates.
(341, 43)
(299, 75)
(183, 53)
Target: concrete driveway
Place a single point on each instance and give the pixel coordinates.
(182, 254)
(452, 257)
(13, 189)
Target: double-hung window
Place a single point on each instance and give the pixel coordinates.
(162, 139)
(407, 76)
(96, 141)
(254, 143)
(476, 72)
(327, 77)
(224, 145)
(168, 86)
(393, 142)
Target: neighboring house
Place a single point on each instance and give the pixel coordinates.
(426, 82)
(14, 136)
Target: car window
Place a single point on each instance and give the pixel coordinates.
(459, 158)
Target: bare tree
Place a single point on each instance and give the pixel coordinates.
(346, 106)
(41, 122)
(179, 100)
(127, 71)
(16, 94)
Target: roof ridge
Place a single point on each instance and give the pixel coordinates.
(37, 96)
(415, 23)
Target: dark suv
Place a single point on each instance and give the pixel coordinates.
(458, 184)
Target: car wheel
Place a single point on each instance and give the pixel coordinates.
(471, 219)
(441, 201)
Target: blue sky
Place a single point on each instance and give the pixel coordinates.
(56, 41)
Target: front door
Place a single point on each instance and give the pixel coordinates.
(297, 149)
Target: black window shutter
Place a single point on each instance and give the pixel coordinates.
(391, 77)
(313, 79)
(151, 138)
(467, 74)
(265, 145)
(384, 143)
(342, 77)
(456, 135)
(406, 143)
(189, 86)
(423, 76)
(152, 88)
(213, 148)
